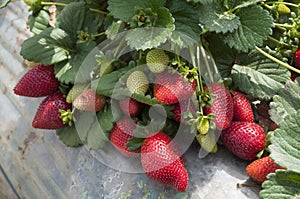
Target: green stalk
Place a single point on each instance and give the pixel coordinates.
(118, 48)
(53, 3)
(98, 11)
(279, 25)
(199, 79)
(99, 34)
(277, 41)
(204, 53)
(277, 60)
(64, 5)
(282, 2)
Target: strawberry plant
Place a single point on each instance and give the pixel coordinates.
(146, 75)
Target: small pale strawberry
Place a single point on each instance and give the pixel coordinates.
(244, 139)
(48, 115)
(89, 100)
(131, 107)
(157, 60)
(221, 107)
(242, 110)
(120, 135)
(75, 91)
(162, 163)
(260, 168)
(37, 82)
(137, 82)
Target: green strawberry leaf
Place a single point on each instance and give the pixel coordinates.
(145, 99)
(256, 25)
(135, 143)
(201, 1)
(152, 37)
(215, 18)
(115, 28)
(67, 71)
(187, 29)
(286, 102)
(96, 137)
(38, 23)
(83, 124)
(282, 184)
(106, 120)
(106, 84)
(4, 3)
(259, 76)
(243, 4)
(68, 135)
(76, 17)
(120, 93)
(125, 10)
(51, 46)
(285, 142)
(224, 61)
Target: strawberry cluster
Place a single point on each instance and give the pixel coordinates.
(228, 112)
(161, 157)
(40, 81)
(54, 112)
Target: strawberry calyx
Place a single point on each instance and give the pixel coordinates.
(206, 98)
(143, 18)
(67, 116)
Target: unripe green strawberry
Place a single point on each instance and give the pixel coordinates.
(89, 100)
(137, 82)
(29, 2)
(283, 9)
(157, 60)
(75, 91)
(208, 142)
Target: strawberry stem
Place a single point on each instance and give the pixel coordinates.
(207, 54)
(99, 34)
(98, 11)
(277, 60)
(118, 48)
(53, 3)
(279, 25)
(282, 2)
(277, 41)
(64, 5)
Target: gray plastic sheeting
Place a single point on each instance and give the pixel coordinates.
(38, 165)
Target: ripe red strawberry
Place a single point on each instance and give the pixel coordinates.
(297, 58)
(221, 107)
(162, 163)
(244, 139)
(37, 82)
(131, 107)
(294, 75)
(172, 88)
(242, 110)
(89, 100)
(121, 133)
(48, 115)
(180, 109)
(259, 169)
